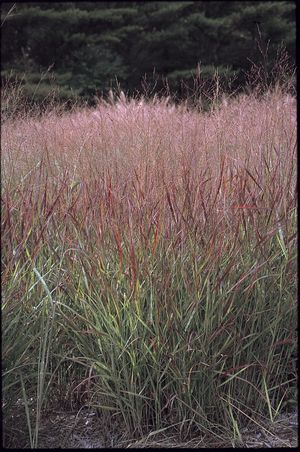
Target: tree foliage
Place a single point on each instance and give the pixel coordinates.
(90, 45)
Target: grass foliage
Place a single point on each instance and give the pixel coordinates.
(149, 263)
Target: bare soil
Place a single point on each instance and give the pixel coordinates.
(76, 430)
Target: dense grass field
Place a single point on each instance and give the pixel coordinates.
(149, 264)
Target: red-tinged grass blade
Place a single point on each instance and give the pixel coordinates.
(167, 245)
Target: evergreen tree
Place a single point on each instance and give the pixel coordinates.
(89, 45)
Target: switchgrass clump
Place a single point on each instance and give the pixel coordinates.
(149, 264)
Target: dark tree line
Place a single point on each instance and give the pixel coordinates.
(87, 47)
